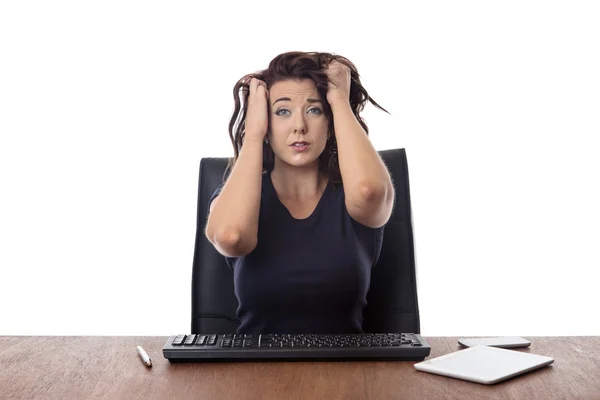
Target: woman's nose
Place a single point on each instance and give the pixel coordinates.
(299, 124)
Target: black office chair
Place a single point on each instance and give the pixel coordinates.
(392, 298)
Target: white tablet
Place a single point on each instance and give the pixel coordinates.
(484, 364)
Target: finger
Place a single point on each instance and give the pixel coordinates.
(264, 86)
(254, 83)
(264, 91)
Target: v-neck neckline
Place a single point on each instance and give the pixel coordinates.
(314, 212)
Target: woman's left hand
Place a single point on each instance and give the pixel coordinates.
(338, 89)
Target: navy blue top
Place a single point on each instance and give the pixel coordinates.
(305, 275)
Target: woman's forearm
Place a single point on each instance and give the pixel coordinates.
(364, 174)
(233, 222)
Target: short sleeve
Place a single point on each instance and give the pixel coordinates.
(214, 195)
(378, 243)
(378, 235)
(372, 236)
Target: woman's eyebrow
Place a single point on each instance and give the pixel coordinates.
(288, 99)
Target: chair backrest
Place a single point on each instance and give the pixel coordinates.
(392, 298)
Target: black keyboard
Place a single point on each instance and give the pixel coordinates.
(296, 347)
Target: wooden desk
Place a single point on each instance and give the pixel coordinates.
(76, 367)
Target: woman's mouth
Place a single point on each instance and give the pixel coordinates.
(300, 146)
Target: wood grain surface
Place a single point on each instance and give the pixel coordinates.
(83, 367)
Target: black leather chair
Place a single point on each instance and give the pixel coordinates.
(392, 298)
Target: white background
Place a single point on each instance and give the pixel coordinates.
(107, 108)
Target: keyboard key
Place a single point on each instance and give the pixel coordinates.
(212, 340)
(189, 340)
(201, 341)
(178, 341)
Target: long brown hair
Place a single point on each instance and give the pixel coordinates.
(292, 66)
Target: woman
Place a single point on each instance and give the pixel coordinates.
(301, 212)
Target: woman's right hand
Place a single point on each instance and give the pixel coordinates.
(257, 116)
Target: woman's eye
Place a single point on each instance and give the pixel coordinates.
(279, 112)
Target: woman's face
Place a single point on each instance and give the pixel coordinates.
(296, 115)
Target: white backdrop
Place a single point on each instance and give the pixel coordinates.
(106, 110)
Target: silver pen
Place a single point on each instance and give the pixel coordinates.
(144, 356)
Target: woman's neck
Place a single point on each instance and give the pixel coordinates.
(299, 183)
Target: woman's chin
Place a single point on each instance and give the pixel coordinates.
(300, 161)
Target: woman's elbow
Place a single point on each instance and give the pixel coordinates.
(231, 243)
